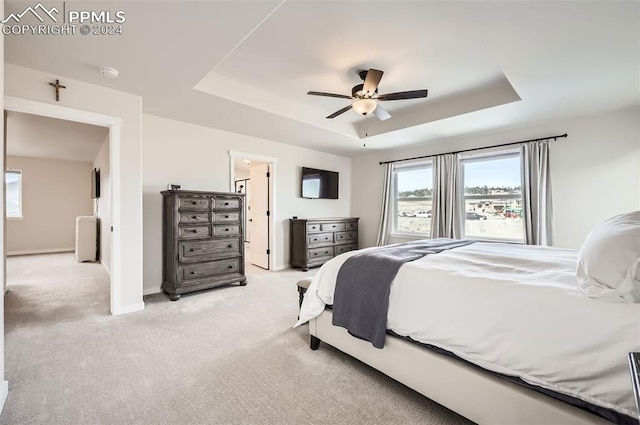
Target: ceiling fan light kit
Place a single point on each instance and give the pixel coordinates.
(366, 98)
(364, 106)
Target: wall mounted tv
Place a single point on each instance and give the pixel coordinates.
(319, 184)
(95, 183)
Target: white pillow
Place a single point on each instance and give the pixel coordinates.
(609, 260)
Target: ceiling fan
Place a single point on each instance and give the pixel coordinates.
(365, 96)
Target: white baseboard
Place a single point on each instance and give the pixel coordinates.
(4, 392)
(131, 308)
(149, 291)
(40, 251)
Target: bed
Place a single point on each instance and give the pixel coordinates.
(502, 333)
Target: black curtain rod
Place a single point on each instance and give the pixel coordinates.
(477, 149)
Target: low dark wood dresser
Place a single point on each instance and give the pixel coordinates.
(314, 241)
(203, 244)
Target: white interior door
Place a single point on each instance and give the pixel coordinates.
(259, 224)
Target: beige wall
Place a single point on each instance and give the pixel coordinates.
(595, 171)
(197, 158)
(101, 162)
(54, 193)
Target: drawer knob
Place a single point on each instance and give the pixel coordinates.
(314, 239)
(229, 246)
(226, 230)
(230, 266)
(226, 203)
(226, 216)
(193, 272)
(192, 249)
(192, 230)
(194, 202)
(194, 217)
(333, 225)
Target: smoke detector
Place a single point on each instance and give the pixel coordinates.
(109, 72)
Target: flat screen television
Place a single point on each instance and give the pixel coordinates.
(319, 184)
(95, 183)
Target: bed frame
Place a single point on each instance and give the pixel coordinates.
(471, 392)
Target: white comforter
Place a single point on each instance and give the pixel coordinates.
(511, 309)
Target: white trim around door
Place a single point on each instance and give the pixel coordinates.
(272, 161)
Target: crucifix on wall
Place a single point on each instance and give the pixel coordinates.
(57, 86)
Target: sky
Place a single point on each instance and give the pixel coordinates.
(494, 173)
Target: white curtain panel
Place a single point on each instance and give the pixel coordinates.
(446, 219)
(536, 194)
(383, 230)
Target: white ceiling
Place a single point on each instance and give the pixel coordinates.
(43, 137)
(246, 66)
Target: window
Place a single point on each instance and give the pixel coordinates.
(412, 199)
(13, 179)
(492, 197)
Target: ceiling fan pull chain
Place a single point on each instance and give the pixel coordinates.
(364, 142)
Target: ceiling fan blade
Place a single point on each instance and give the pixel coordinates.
(413, 94)
(319, 93)
(381, 114)
(340, 112)
(372, 80)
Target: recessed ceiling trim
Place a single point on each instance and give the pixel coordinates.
(496, 92)
(246, 36)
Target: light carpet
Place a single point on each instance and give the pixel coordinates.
(222, 356)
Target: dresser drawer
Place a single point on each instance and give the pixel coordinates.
(229, 216)
(320, 238)
(193, 251)
(329, 227)
(195, 217)
(313, 227)
(352, 225)
(315, 253)
(226, 204)
(346, 236)
(194, 232)
(341, 249)
(210, 269)
(226, 229)
(194, 203)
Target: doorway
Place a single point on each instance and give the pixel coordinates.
(48, 199)
(259, 209)
(114, 124)
(254, 175)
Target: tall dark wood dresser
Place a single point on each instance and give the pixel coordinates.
(203, 244)
(314, 241)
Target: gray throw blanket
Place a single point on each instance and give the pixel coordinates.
(361, 298)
